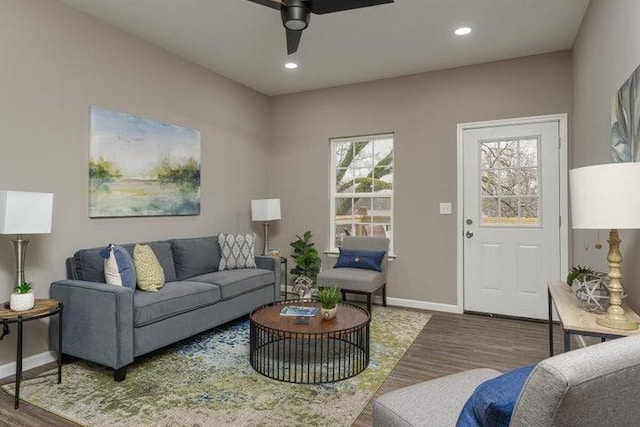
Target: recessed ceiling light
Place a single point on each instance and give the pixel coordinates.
(291, 65)
(462, 31)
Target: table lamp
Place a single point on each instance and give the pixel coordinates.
(607, 197)
(265, 210)
(21, 213)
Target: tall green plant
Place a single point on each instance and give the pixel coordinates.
(306, 257)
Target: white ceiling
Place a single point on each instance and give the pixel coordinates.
(245, 41)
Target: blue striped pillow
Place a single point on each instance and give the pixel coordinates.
(118, 266)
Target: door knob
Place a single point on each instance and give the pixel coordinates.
(469, 234)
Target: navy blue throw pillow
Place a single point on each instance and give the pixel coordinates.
(492, 403)
(360, 258)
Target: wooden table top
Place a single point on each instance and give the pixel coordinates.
(42, 306)
(575, 318)
(348, 316)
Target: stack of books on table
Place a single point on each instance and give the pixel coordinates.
(300, 311)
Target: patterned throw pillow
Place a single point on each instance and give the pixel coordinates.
(148, 269)
(236, 251)
(118, 267)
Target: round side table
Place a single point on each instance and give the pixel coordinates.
(42, 308)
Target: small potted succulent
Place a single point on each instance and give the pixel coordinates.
(328, 298)
(22, 299)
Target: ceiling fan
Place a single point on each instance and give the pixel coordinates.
(295, 13)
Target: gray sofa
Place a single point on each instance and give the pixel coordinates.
(111, 325)
(592, 386)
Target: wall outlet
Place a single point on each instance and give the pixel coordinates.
(445, 208)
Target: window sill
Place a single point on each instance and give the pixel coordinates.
(332, 253)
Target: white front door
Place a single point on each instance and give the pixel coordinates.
(511, 214)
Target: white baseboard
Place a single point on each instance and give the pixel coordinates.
(400, 302)
(422, 305)
(28, 363)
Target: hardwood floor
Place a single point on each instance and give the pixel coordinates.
(449, 343)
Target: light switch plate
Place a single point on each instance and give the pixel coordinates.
(445, 208)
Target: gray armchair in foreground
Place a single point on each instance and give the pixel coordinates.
(593, 386)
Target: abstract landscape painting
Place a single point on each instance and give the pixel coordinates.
(141, 167)
(625, 120)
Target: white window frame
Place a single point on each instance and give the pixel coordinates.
(332, 187)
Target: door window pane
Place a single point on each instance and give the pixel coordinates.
(509, 179)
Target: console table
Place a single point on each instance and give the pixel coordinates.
(42, 308)
(575, 320)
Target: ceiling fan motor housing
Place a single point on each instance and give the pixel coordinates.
(295, 15)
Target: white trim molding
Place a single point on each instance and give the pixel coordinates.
(562, 120)
(29, 363)
(421, 305)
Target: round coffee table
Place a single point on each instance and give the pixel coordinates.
(309, 350)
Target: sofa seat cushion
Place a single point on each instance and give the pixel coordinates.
(355, 279)
(432, 403)
(172, 299)
(237, 282)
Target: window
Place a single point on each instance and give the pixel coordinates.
(362, 188)
(510, 175)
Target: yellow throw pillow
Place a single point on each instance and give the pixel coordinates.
(149, 272)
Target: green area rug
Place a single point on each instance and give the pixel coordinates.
(208, 381)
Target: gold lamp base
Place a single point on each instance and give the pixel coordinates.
(625, 324)
(615, 318)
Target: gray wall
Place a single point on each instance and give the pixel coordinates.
(423, 111)
(604, 55)
(56, 63)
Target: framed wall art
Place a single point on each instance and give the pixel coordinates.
(625, 120)
(142, 167)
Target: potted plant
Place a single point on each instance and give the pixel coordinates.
(22, 299)
(306, 257)
(328, 298)
(578, 272)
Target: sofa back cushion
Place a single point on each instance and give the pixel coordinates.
(195, 256)
(89, 265)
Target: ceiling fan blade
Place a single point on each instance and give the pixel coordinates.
(273, 4)
(328, 6)
(293, 40)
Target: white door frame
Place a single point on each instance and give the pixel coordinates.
(561, 119)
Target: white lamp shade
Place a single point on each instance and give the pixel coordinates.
(265, 209)
(605, 196)
(24, 212)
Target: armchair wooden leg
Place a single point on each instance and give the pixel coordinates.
(369, 302)
(384, 295)
(344, 295)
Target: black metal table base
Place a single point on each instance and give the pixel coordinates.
(20, 321)
(309, 358)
